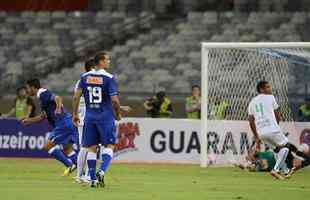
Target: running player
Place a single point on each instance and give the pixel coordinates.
(64, 134)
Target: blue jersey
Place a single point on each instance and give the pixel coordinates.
(98, 86)
(48, 105)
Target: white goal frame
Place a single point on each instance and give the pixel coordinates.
(205, 46)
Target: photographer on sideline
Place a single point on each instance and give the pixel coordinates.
(158, 106)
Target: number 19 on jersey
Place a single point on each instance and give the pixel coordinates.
(95, 94)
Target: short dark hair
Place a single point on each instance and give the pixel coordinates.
(160, 94)
(100, 56)
(89, 65)
(20, 88)
(260, 85)
(195, 86)
(34, 83)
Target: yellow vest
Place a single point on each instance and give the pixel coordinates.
(163, 112)
(304, 110)
(218, 111)
(21, 108)
(189, 102)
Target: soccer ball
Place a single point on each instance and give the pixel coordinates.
(211, 159)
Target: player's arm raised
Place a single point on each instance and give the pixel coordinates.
(75, 106)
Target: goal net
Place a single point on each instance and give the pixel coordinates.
(230, 72)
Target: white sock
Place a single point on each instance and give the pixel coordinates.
(106, 157)
(285, 169)
(281, 159)
(91, 162)
(81, 162)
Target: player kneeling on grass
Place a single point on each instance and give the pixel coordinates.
(102, 109)
(264, 117)
(64, 134)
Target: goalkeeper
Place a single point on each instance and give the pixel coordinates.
(257, 161)
(264, 161)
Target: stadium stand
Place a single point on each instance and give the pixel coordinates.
(55, 44)
(37, 43)
(150, 56)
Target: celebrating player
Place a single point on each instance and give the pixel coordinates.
(64, 133)
(264, 117)
(102, 108)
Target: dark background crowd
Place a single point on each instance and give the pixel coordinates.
(154, 46)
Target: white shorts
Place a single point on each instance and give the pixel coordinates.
(80, 130)
(274, 139)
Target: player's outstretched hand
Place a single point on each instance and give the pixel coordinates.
(25, 121)
(75, 120)
(125, 109)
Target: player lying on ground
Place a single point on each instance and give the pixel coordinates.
(262, 161)
(264, 117)
(301, 163)
(257, 161)
(292, 157)
(102, 109)
(82, 171)
(64, 134)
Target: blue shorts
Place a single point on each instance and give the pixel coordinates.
(95, 133)
(64, 133)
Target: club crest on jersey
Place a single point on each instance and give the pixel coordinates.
(94, 80)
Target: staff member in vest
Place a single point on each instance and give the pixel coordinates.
(24, 106)
(158, 106)
(304, 111)
(193, 102)
(219, 109)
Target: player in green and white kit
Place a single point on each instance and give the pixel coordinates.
(264, 117)
(81, 161)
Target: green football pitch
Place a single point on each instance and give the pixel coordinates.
(30, 179)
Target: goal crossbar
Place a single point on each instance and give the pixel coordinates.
(227, 45)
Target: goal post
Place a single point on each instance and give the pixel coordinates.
(230, 72)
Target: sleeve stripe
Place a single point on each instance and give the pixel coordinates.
(113, 94)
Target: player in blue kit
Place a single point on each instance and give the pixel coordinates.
(64, 133)
(99, 89)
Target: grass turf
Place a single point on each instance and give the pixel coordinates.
(28, 179)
